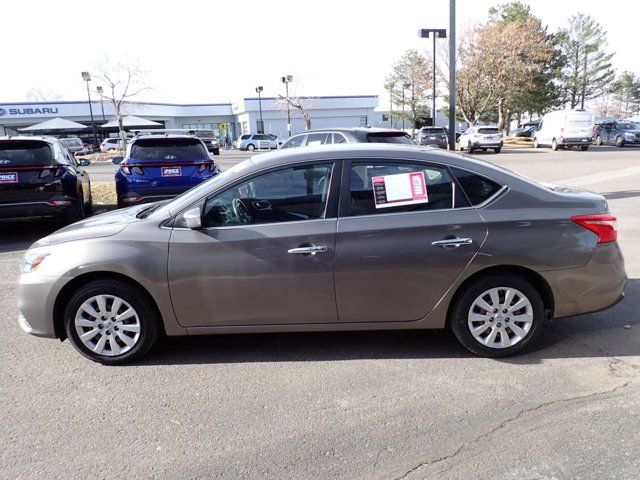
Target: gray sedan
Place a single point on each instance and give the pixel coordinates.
(345, 237)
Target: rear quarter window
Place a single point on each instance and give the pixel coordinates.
(25, 153)
(477, 188)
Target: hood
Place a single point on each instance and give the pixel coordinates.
(103, 225)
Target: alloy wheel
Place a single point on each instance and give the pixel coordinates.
(500, 317)
(107, 325)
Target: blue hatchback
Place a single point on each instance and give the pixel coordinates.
(159, 167)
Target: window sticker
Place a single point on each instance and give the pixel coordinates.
(400, 189)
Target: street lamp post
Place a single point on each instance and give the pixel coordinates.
(391, 105)
(86, 76)
(100, 92)
(259, 92)
(286, 80)
(437, 33)
(452, 74)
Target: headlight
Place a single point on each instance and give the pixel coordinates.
(630, 135)
(32, 260)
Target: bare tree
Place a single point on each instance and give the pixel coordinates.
(300, 106)
(123, 81)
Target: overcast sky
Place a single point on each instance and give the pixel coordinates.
(219, 51)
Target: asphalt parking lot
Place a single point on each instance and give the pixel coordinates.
(380, 405)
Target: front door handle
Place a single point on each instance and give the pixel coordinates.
(311, 250)
(452, 242)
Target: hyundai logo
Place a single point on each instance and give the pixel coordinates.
(2, 112)
(169, 157)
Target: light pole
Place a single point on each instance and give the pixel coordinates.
(404, 86)
(452, 74)
(437, 33)
(100, 92)
(86, 76)
(286, 80)
(391, 104)
(259, 92)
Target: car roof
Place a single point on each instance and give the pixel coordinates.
(164, 137)
(349, 130)
(39, 138)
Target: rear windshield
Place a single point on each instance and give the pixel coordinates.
(433, 130)
(24, 153)
(168, 149)
(72, 142)
(389, 137)
(490, 131)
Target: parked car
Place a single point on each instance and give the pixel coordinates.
(111, 144)
(436, 136)
(347, 135)
(481, 138)
(75, 146)
(209, 139)
(617, 133)
(426, 239)
(254, 141)
(39, 176)
(565, 128)
(159, 167)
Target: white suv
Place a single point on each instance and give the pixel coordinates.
(109, 144)
(257, 141)
(481, 138)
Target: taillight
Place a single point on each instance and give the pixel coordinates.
(45, 173)
(125, 169)
(202, 167)
(603, 225)
(213, 168)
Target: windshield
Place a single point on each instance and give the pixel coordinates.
(24, 153)
(628, 126)
(389, 137)
(168, 148)
(200, 190)
(72, 142)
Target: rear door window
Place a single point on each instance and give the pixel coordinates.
(439, 188)
(294, 141)
(168, 149)
(27, 153)
(339, 138)
(389, 137)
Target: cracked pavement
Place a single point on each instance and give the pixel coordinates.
(360, 405)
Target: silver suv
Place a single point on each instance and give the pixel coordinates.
(481, 138)
(347, 135)
(257, 141)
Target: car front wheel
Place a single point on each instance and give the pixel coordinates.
(111, 322)
(498, 315)
(619, 142)
(251, 147)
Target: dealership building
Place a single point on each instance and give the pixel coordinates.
(232, 119)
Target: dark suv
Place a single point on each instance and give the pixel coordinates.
(617, 133)
(347, 135)
(40, 177)
(436, 136)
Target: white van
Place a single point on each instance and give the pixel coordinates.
(565, 128)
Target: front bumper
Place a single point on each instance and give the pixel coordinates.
(597, 286)
(36, 298)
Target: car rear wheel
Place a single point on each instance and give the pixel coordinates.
(619, 142)
(584, 148)
(554, 144)
(598, 140)
(469, 147)
(498, 315)
(111, 322)
(497, 150)
(251, 147)
(535, 143)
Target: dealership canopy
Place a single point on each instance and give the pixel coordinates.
(132, 121)
(54, 125)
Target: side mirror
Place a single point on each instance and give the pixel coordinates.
(193, 218)
(84, 162)
(117, 160)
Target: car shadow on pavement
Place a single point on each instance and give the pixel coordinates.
(611, 333)
(17, 235)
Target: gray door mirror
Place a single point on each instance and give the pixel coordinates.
(193, 218)
(84, 162)
(117, 160)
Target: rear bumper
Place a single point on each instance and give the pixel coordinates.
(597, 286)
(575, 141)
(433, 143)
(487, 144)
(36, 209)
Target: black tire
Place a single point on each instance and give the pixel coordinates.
(619, 141)
(251, 147)
(147, 314)
(497, 150)
(584, 148)
(470, 148)
(463, 303)
(554, 144)
(216, 151)
(598, 140)
(77, 211)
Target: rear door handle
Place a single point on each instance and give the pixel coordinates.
(312, 250)
(452, 242)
